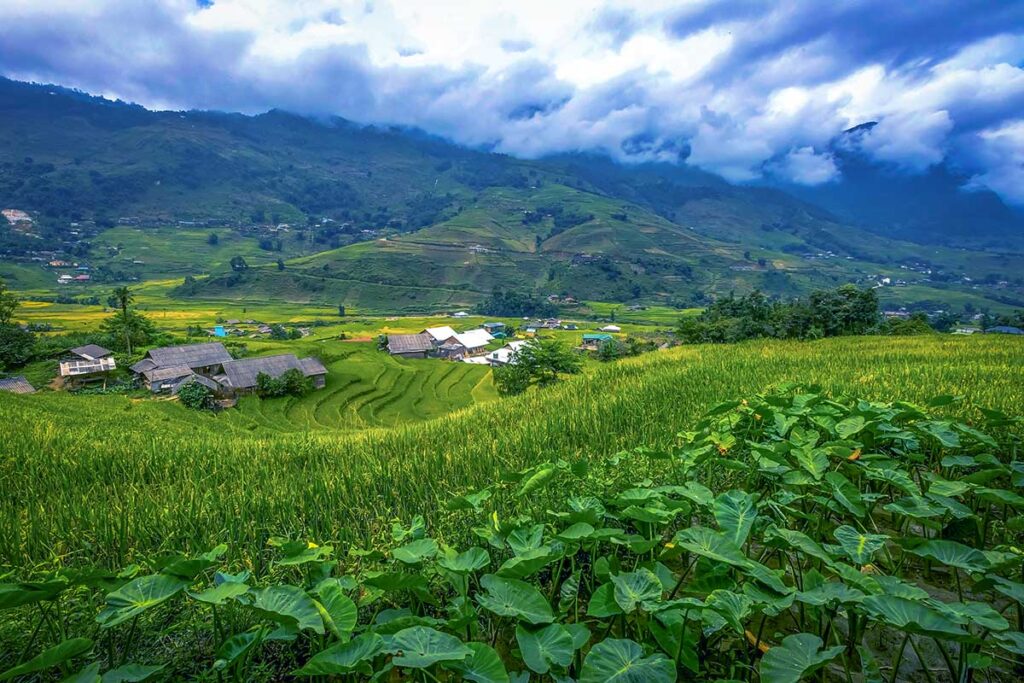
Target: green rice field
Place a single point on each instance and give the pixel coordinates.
(105, 478)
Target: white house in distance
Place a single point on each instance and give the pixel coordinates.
(506, 354)
(439, 335)
(455, 345)
(611, 328)
(474, 340)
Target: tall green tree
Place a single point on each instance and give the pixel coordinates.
(546, 360)
(124, 298)
(8, 304)
(16, 344)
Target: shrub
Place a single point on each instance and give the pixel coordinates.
(289, 383)
(195, 396)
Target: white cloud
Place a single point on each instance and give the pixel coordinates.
(747, 87)
(804, 166)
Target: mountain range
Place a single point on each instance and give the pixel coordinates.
(392, 219)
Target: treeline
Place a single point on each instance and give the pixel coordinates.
(513, 304)
(847, 310)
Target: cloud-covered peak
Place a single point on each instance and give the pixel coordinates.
(745, 89)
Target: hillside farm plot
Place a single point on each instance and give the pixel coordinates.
(368, 388)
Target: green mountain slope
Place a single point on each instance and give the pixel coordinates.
(396, 220)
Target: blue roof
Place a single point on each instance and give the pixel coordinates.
(1004, 329)
(596, 337)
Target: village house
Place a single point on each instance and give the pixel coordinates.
(241, 376)
(89, 363)
(410, 345)
(439, 335)
(593, 341)
(475, 341)
(611, 328)
(452, 350)
(16, 384)
(171, 368)
(202, 359)
(165, 378)
(494, 328)
(506, 355)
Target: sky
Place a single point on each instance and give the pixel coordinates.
(750, 90)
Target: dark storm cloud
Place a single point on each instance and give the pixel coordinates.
(774, 83)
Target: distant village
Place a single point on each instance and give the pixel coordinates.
(475, 345)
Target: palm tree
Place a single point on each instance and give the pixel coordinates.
(124, 297)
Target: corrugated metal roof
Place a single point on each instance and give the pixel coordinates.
(91, 351)
(205, 381)
(242, 373)
(409, 343)
(16, 385)
(474, 339)
(143, 365)
(171, 372)
(192, 355)
(440, 333)
(312, 366)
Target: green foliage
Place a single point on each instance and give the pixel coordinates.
(17, 346)
(289, 383)
(825, 313)
(915, 324)
(128, 330)
(512, 379)
(547, 359)
(195, 396)
(515, 304)
(8, 304)
(640, 573)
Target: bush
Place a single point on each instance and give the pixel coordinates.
(512, 379)
(195, 396)
(16, 346)
(289, 383)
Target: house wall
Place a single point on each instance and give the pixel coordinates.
(417, 354)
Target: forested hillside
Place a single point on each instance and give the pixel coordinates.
(397, 219)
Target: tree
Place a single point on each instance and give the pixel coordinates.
(611, 349)
(195, 396)
(280, 264)
(512, 379)
(289, 383)
(341, 310)
(8, 304)
(545, 360)
(124, 297)
(238, 264)
(16, 346)
(128, 329)
(213, 240)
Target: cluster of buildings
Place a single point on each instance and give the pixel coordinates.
(445, 342)
(469, 347)
(170, 368)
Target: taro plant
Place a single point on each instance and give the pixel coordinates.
(786, 537)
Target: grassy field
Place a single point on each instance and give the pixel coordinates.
(108, 477)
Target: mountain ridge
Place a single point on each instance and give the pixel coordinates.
(453, 218)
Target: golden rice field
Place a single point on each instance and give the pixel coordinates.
(105, 478)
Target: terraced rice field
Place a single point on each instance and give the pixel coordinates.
(367, 388)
